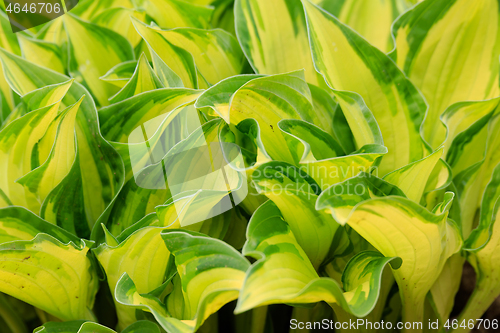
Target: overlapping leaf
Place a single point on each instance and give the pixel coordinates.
(284, 274)
(87, 65)
(482, 251)
(431, 38)
(97, 169)
(143, 256)
(371, 19)
(268, 100)
(396, 104)
(260, 33)
(45, 266)
(399, 227)
(218, 276)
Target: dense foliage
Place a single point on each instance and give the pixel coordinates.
(352, 153)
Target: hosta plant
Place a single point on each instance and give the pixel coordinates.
(250, 166)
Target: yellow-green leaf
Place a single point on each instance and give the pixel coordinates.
(412, 179)
(432, 37)
(348, 62)
(87, 64)
(144, 79)
(216, 53)
(371, 19)
(168, 58)
(55, 277)
(170, 14)
(43, 53)
(275, 46)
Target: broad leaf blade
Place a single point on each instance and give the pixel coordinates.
(392, 98)
(48, 274)
(260, 33)
(431, 38)
(86, 64)
(284, 274)
(144, 79)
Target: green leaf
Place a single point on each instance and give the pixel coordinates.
(361, 121)
(60, 159)
(412, 179)
(182, 193)
(86, 64)
(482, 248)
(216, 53)
(392, 98)
(275, 46)
(340, 199)
(118, 20)
(295, 194)
(314, 140)
(171, 63)
(8, 40)
(442, 294)
(76, 326)
(431, 38)
(89, 327)
(126, 293)
(98, 168)
(120, 74)
(371, 19)
(322, 158)
(88, 9)
(424, 241)
(53, 32)
(170, 125)
(284, 274)
(324, 106)
(144, 79)
(329, 171)
(471, 182)
(143, 256)
(46, 95)
(63, 327)
(266, 99)
(211, 274)
(342, 132)
(199, 190)
(20, 224)
(180, 13)
(42, 53)
(24, 77)
(6, 99)
(119, 120)
(19, 151)
(195, 212)
(467, 127)
(142, 326)
(362, 279)
(218, 97)
(55, 277)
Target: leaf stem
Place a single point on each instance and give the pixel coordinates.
(413, 315)
(301, 315)
(259, 316)
(10, 317)
(482, 297)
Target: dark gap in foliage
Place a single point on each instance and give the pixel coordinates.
(104, 307)
(467, 286)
